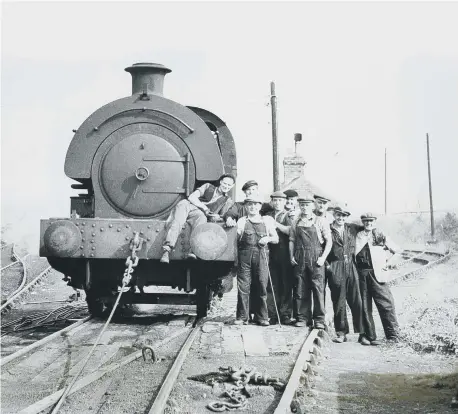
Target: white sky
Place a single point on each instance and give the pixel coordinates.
(354, 78)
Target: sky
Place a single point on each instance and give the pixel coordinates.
(353, 78)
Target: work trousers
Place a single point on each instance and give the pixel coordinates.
(383, 298)
(309, 283)
(252, 276)
(344, 286)
(183, 212)
(281, 273)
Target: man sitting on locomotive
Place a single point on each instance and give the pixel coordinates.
(254, 233)
(207, 201)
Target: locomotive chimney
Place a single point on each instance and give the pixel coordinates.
(148, 77)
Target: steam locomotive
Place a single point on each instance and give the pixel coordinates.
(134, 159)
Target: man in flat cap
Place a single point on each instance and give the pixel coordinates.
(321, 205)
(343, 275)
(254, 233)
(238, 209)
(308, 235)
(279, 265)
(371, 261)
(291, 205)
(207, 202)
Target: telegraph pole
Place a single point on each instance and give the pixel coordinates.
(385, 183)
(276, 162)
(430, 189)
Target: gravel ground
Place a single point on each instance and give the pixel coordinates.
(392, 378)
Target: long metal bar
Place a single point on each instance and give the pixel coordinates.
(276, 161)
(431, 209)
(48, 401)
(42, 342)
(293, 382)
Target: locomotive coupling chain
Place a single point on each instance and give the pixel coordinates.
(238, 394)
(132, 261)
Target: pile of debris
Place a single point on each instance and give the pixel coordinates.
(432, 328)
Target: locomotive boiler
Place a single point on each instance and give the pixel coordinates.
(133, 160)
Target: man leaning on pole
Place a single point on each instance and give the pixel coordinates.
(254, 233)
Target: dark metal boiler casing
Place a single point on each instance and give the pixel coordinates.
(136, 158)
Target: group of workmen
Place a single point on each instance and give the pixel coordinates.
(288, 252)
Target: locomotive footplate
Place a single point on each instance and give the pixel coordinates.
(94, 238)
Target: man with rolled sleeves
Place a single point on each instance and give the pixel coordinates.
(208, 201)
(371, 261)
(279, 265)
(343, 275)
(308, 235)
(254, 232)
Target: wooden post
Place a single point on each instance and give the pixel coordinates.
(385, 183)
(276, 162)
(431, 209)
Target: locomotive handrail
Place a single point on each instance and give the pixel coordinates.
(143, 109)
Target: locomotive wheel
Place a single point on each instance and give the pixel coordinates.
(204, 296)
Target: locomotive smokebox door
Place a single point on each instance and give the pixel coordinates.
(143, 174)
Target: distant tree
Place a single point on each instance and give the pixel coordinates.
(4, 229)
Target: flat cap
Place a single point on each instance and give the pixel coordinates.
(278, 194)
(368, 217)
(249, 184)
(305, 200)
(254, 198)
(338, 209)
(290, 193)
(319, 197)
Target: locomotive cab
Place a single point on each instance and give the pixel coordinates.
(136, 158)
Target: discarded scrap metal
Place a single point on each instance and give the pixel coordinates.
(238, 394)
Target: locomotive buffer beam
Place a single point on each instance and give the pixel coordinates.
(154, 298)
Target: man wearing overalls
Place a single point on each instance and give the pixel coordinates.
(254, 233)
(343, 275)
(307, 236)
(279, 264)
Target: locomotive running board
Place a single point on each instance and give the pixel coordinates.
(154, 298)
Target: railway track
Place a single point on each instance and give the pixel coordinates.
(8, 256)
(116, 373)
(18, 289)
(88, 386)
